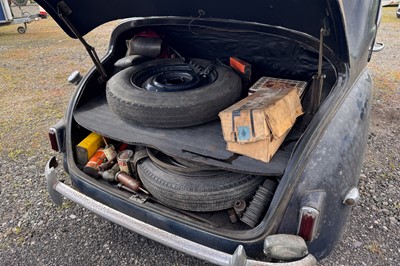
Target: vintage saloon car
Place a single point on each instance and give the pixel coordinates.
(144, 147)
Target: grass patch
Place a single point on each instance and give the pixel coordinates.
(17, 230)
(389, 15)
(374, 248)
(33, 81)
(64, 206)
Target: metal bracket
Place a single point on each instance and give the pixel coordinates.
(239, 257)
(137, 198)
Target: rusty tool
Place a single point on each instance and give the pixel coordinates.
(232, 216)
(129, 182)
(109, 175)
(239, 206)
(106, 165)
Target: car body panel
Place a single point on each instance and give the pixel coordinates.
(361, 20)
(344, 17)
(333, 167)
(292, 14)
(398, 11)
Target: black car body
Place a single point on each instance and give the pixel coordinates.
(317, 170)
(398, 11)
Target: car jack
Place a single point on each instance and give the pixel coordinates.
(318, 79)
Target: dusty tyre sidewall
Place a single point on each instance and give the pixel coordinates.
(202, 191)
(172, 109)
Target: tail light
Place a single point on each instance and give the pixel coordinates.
(309, 220)
(53, 139)
(56, 136)
(312, 205)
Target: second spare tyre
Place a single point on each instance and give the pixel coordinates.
(199, 191)
(172, 93)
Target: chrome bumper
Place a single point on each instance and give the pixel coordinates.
(56, 189)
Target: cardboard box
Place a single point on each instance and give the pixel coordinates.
(257, 125)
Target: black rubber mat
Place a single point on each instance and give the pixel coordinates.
(202, 143)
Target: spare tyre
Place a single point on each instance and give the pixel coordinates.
(170, 93)
(197, 191)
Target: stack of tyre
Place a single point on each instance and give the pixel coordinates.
(174, 93)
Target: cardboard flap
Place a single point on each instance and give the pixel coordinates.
(282, 114)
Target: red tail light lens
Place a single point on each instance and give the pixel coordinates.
(53, 139)
(308, 223)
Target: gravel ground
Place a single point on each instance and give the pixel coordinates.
(34, 232)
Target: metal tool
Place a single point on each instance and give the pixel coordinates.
(129, 182)
(318, 79)
(109, 175)
(239, 206)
